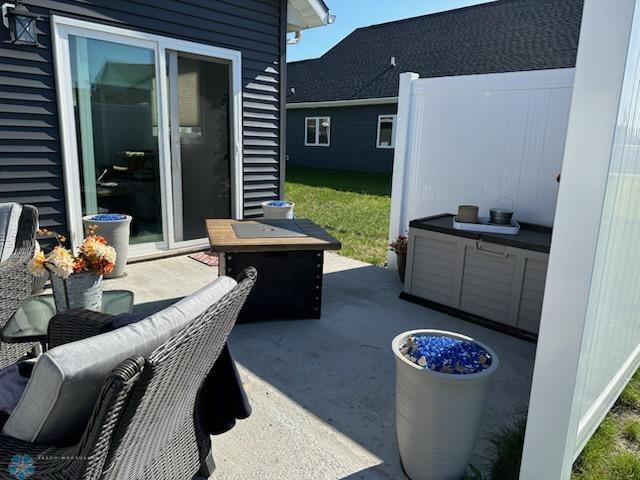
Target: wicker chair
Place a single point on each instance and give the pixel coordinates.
(149, 421)
(16, 283)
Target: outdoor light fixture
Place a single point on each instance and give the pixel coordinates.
(21, 23)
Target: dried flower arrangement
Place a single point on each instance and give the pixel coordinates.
(93, 255)
(400, 245)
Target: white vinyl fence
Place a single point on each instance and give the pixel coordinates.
(476, 139)
(589, 344)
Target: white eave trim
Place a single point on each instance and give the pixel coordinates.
(343, 103)
(304, 14)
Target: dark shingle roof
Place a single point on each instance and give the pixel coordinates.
(501, 36)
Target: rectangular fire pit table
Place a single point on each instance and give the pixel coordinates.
(288, 254)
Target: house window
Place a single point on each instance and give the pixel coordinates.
(386, 131)
(317, 131)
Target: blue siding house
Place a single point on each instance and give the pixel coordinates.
(357, 150)
(171, 111)
(341, 107)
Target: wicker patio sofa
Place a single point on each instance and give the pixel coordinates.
(148, 421)
(16, 283)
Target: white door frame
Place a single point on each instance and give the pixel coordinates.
(62, 27)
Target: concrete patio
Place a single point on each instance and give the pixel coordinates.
(322, 391)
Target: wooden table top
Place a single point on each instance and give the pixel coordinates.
(222, 237)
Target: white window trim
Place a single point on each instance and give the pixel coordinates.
(317, 142)
(62, 28)
(393, 131)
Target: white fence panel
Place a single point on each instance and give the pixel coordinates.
(474, 139)
(589, 344)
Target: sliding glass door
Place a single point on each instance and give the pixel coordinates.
(200, 142)
(114, 96)
(151, 128)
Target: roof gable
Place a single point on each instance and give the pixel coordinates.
(501, 36)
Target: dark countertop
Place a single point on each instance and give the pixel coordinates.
(531, 237)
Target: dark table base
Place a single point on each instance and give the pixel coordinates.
(289, 284)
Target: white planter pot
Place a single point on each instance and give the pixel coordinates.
(81, 291)
(438, 415)
(277, 212)
(116, 233)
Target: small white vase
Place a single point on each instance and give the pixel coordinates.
(82, 291)
(276, 211)
(438, 415)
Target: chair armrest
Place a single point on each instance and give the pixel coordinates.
(87, 458)
(16, 282)
(73, 325)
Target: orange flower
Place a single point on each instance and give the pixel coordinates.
(79, 265)
(104, 267)
(37, 265)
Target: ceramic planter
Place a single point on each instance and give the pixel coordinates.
(438, 415)
(81, 291)
(116, 232)
(278, 209)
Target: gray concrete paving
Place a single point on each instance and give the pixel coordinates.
(322, 391)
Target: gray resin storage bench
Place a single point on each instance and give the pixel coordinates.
(288, 255)
(492, 279)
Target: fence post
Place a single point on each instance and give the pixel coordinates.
(403, 129)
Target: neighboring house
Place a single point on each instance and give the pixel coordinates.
(167, 110)
(341, 107)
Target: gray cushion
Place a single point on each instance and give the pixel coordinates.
(67, 380)
(123, 320)
(9, 219)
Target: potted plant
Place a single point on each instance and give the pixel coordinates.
(76, 280)
(400, 247)
(275, 209)
(442, 379)
(115, 228)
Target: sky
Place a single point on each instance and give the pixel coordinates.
(352, 14)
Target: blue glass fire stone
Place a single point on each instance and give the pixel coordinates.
(279, 203)
(108, 217)
(449, 355)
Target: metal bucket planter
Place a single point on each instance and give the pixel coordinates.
(80, 291)
(277, 209)
(438, 415)
(116, 231)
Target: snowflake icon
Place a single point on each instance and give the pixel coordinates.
(22, 466)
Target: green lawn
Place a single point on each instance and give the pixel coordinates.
(613, 453)
(351, 206)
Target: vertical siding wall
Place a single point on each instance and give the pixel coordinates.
(30, 155)
(354, 133)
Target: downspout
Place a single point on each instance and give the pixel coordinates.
(296, 39)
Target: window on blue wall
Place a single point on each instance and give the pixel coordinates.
(386, 131)
(317, 131)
